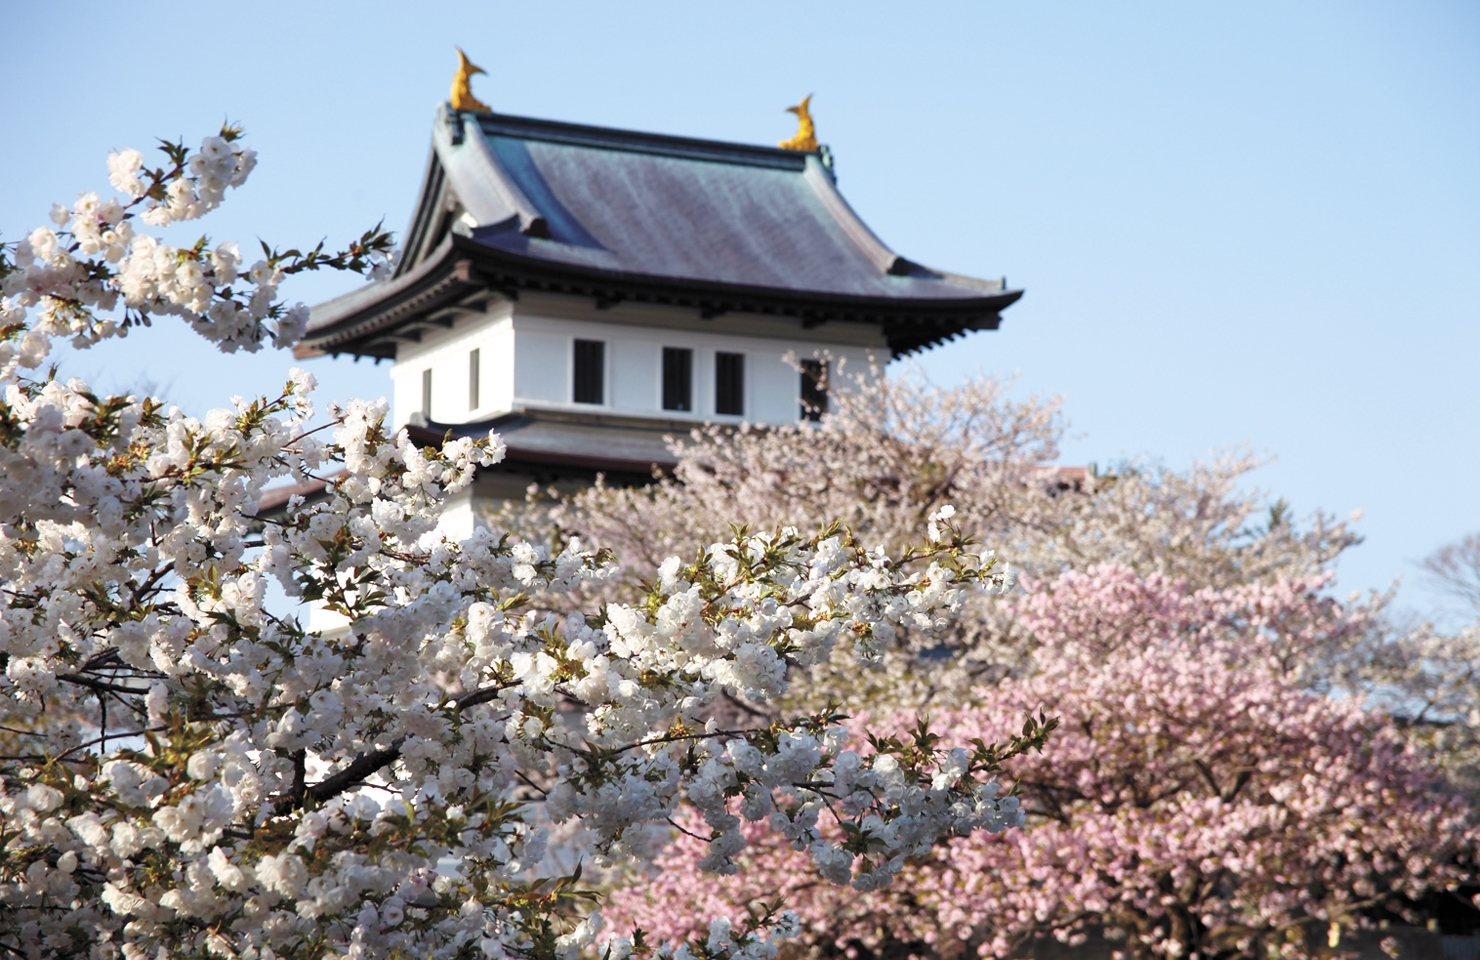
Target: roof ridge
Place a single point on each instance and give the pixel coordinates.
(636, 141)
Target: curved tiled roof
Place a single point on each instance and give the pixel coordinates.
(512, 203)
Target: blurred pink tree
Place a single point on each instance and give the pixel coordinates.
(1198, 800)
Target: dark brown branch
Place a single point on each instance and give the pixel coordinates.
(475, 697)
(360, 768)
(681, 829)
(108, 656)
(531, 784)
(1244, 776)
(300, 759)
(595, 752)
(1207, 774)
(98, 684)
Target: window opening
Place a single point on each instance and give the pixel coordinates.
(590, 368)
(729, 384)
(814, 389)
(678, 379)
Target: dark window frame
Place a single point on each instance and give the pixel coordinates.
(814, 389)
(729, 384)
(678, 379)
(426, 393)
(588, 372)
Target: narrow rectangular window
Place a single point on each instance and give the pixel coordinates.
(473, 380)
(678, 379)
(729, 384)
(814, 389)
(590, 369)
(426, 393)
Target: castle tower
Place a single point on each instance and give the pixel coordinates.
(587, 291)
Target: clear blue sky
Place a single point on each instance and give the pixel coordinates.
(1251, 223)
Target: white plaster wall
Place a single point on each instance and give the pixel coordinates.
(459, 516)
(542, 362)
(526, 350)
(633, 378)
(446, 353)
(635, 367)
(773, 388)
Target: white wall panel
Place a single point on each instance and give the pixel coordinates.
(635, 370)
(446, 353)
(773, 389)
(526, 361)
(541, 367)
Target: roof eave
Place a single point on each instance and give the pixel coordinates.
(461, 265)
(347, 322)
(517, 456)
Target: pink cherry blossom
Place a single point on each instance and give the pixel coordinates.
(1198, 797)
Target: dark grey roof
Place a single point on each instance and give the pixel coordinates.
(555, 445)
(621, 215)
(558, 437)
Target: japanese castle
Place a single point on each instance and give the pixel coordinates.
(588, 291)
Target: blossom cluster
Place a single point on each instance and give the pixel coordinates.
(187, 770)
(95, 273)
(231, 789)
(1198, 799)
(890, 452)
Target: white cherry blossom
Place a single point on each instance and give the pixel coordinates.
(189, 771)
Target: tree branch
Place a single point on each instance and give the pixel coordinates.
(98, 684)
(483, 695)
(360, 768)
(300, 760)
(367, 763)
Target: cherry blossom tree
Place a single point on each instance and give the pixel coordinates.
(891, 452)
(189, 771)
(1430, 671)
(1455, 569)
(1199, 799)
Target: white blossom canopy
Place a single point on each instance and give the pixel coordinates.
(189, 771)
